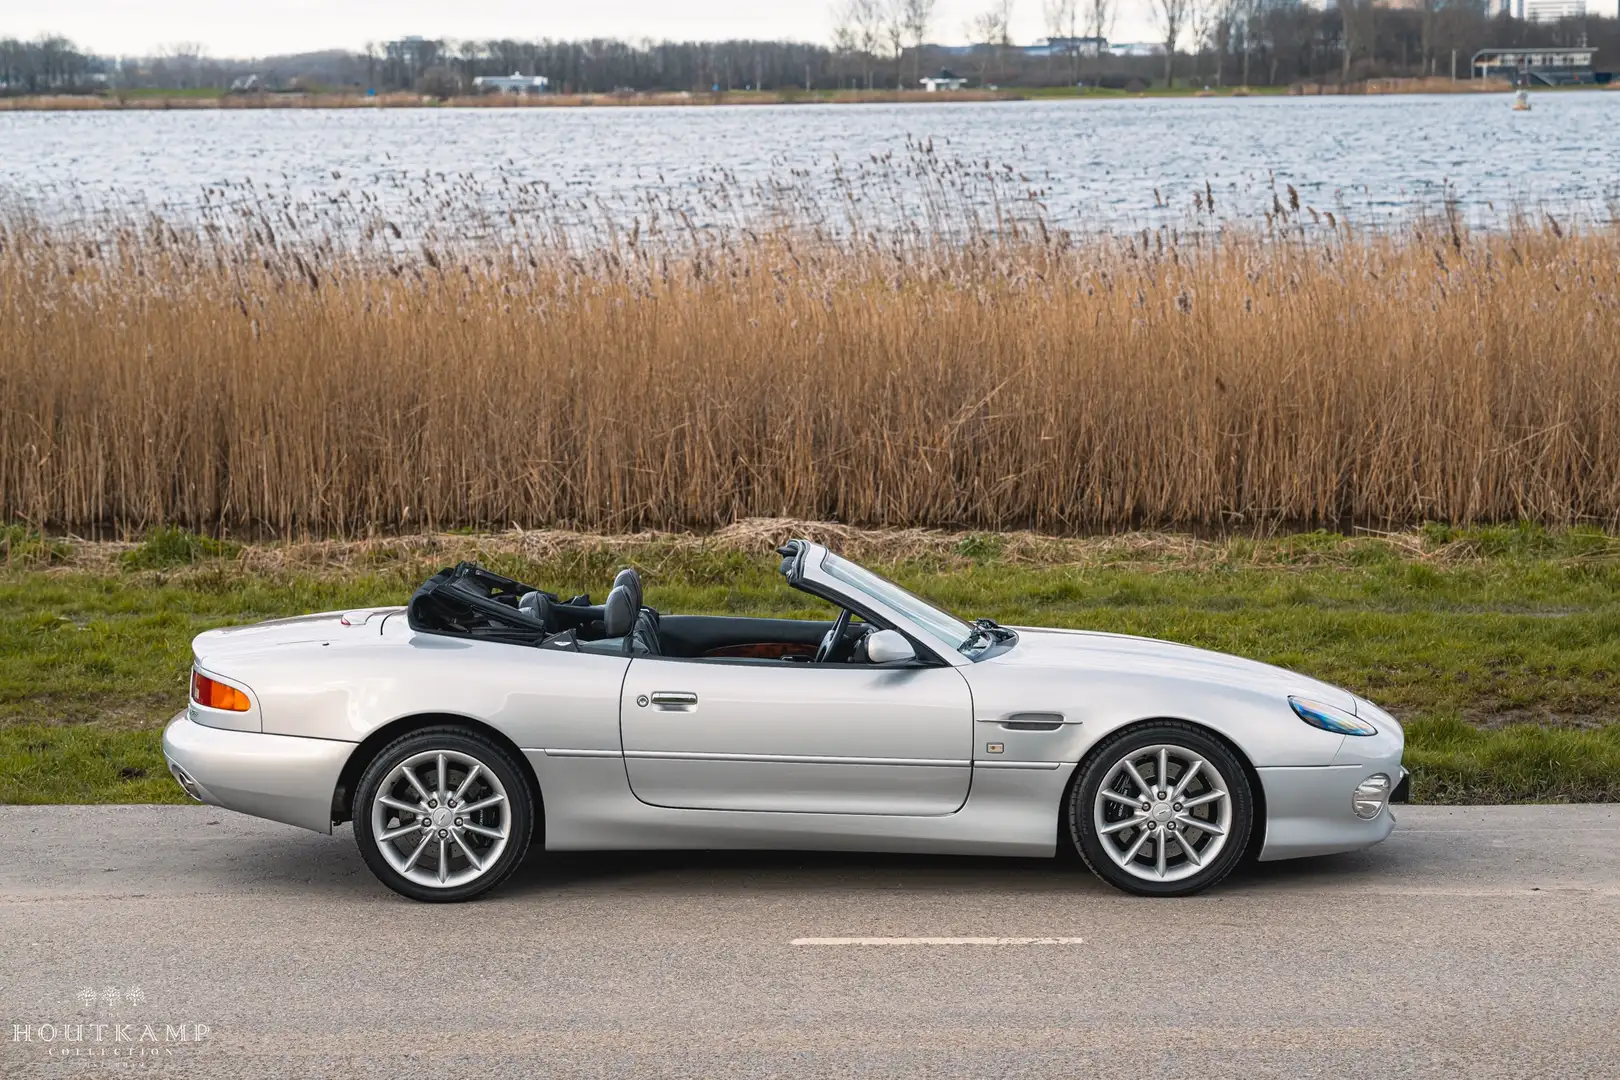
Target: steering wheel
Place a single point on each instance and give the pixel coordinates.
(833, 637)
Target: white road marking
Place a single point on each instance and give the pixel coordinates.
(937, 941)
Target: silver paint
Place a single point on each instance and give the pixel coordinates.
(773, 755)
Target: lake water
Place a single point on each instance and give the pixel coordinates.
(1123, 163)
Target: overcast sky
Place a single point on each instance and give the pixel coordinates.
(263, 27)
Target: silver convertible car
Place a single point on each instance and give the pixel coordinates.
(489, 715)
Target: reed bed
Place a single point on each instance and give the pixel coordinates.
(159, 102)
(248, 375)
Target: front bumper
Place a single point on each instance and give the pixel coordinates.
(1308, 809)
(279, 777)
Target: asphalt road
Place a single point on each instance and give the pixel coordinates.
(1477, 942)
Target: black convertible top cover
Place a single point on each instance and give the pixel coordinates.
(468, 601)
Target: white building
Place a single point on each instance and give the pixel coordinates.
(1549, 10)
(933, 84)
(1138, 48)
(511, 84)
(1067, 46)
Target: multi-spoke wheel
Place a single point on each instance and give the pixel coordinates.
(1163, 810)
(442, 814)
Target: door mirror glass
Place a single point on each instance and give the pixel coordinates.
(889, 647)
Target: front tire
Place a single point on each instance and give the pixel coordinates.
(443, 815)
(1163, 809)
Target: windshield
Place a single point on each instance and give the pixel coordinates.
(941, 624)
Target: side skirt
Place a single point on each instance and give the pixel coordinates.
(589, 807)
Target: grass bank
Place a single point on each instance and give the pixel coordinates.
(1498, 647)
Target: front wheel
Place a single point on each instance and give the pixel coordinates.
(443, 815)
(1161, 810)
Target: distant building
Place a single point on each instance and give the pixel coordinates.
(1067, 46)
(1138, 48)
(1547, 66)
(1549, 10)
(945, 80)
(511, 84)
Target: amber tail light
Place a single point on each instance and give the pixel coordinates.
(217, 695)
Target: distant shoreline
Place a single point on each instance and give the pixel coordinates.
(142, 101)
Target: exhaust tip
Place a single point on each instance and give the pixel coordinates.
(187, 784)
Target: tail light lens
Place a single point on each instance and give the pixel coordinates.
(217, 695)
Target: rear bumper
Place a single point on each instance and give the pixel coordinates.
(279, 777)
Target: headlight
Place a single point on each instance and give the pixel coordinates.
(1328, 718)
(1367, 801)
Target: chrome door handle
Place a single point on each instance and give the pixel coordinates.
(674, 699)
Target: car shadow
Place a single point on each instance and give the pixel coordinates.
(789, 871)
(332, 865)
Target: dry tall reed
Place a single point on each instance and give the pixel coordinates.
(243, 381)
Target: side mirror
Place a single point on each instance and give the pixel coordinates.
(889, 647)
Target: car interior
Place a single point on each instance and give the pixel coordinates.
(470, 601)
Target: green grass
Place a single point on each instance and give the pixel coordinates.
(1499, 647)
(201, 93)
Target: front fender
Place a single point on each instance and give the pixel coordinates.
(1009, 703)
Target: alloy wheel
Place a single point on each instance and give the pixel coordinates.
(441, 818)
(1163, 813)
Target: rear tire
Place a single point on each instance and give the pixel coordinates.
(1163, 809)
(443, 815)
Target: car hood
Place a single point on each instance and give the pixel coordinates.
(1116, 654)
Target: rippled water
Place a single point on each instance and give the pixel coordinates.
(1104, 164)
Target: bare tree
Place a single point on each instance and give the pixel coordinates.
(917, 16)
(1245, 17)
(1099, 18)
(846, 32)
(1208, 31)
(992, 28)
(894, 33)
(186, 59)
(1061, 16)
(439, 81)
(993, 25)
(869, 31)
(1173, 16)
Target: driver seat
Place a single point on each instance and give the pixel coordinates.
(626, 627)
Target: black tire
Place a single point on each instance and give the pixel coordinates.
(1083, 795)
(488, 754)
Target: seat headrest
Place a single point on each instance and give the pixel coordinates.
(537, 605)
(629, 579)
(618, 612)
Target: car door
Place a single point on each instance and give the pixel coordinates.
(806, 738)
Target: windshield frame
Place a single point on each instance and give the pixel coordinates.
(875, 587)
(931, 630)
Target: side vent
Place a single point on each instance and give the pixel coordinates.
(1033, 721)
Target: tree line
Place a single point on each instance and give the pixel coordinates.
(876, 44)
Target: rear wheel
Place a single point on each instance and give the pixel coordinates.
(1161, 810)
(443, 815)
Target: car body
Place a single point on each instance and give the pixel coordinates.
(897, 735)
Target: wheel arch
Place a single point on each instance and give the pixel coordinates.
(368, 748)
(1257, 829)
